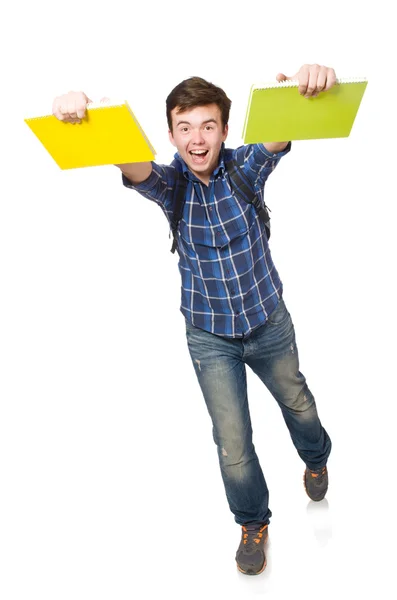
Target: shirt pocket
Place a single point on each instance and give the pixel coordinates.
(234, 218)
(194, 226)
(238, 217)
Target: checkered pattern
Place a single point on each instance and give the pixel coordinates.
(229, 282)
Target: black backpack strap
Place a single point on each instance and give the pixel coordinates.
(178, 202)
(243, 188)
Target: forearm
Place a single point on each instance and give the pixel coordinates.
(136, 172)
(275, 147)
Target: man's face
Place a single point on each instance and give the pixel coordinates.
(198, 135)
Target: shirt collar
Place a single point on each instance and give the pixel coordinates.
(219, 169)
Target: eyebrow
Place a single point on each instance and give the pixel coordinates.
(203, 123)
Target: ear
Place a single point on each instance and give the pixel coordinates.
(171, 138)
(225, 132)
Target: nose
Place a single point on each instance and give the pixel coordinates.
(197, 136)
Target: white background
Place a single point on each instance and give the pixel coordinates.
(109, 480)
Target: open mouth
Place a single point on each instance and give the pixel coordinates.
(198, 156)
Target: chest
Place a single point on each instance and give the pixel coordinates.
(214, 215)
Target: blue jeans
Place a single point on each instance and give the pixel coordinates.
(220, 365)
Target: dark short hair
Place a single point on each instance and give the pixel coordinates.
(196, 91)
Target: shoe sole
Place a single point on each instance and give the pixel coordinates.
(252, 572)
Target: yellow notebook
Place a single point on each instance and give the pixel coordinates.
(276, 112)
(108, 134)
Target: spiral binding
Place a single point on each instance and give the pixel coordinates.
(295, 83)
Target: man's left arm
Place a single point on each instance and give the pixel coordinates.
(312, 80)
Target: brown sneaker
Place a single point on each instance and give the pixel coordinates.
(250, 556)
(316, 483)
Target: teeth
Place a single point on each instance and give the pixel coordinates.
(199, 151)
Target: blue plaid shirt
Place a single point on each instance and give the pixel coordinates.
(229, 282)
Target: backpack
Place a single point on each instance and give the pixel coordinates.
(241, 187)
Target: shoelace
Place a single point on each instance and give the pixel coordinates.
(316, 474)
(252, 535)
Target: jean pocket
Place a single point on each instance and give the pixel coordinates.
(279, 315)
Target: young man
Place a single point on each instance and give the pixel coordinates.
(231, 291)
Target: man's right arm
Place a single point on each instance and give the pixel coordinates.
(71, 108)
(136, 172)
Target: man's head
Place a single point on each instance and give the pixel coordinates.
(198, 115)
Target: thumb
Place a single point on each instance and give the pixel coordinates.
(281, 77)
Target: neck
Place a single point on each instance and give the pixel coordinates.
(204, 178)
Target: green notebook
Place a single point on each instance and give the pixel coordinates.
(276, 112)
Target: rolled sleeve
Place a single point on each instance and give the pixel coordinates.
(148, 184)
(157, 187)
(258, 162)
(273, 155)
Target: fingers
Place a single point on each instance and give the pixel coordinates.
(331, 79)
(314, 73)
(70, 107)
(321, 81)
(314, 79)
(303, 77)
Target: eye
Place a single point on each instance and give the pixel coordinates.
(183, 129)
(209, 127)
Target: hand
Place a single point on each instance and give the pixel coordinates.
(312, 79)
(70, 107)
